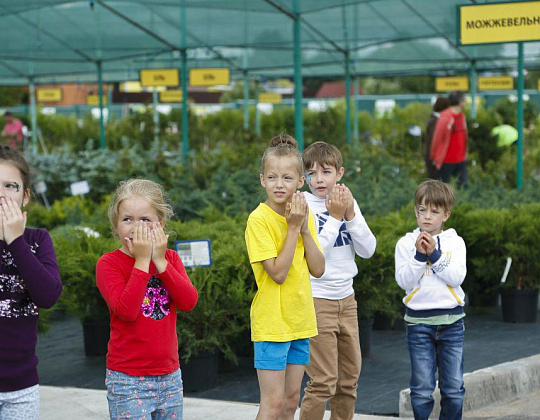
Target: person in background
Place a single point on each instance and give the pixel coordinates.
(449, 145)
(12, 133)
(441, 103)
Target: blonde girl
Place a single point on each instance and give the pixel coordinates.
(283, 250)
(143, 283)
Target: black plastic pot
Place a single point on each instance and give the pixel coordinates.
(382, 322)
(96, 333)
(483, 299)
(365, 326)
(519, 306)
(201, 371)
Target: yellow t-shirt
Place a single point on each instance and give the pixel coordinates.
(279, 312)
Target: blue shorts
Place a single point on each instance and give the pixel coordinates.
(275, 356)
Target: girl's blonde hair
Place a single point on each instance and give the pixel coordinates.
(280, 146)
(149, 190)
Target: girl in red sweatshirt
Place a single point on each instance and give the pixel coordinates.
(143, 283)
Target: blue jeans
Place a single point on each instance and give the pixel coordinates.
(144, 397)
(433, 347)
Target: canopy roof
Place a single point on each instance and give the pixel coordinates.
(57, 41)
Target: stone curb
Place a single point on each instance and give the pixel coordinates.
(484, 387)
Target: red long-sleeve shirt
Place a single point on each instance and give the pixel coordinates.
(143, 312)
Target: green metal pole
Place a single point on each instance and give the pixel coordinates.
(246, 98)
(298, 111)
(356, 129)
(33, 115)
(257, 112)
(109, 100)
(347, 99)
(100, 94)
(473, 89)
(184, 76)
(520, 86)
(156, 116)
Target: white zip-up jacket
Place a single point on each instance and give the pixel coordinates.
(434, 282)
(340, 241)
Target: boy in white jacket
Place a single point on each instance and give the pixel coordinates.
(430, 267)
(335, 359)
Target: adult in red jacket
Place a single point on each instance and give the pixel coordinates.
(449, 146)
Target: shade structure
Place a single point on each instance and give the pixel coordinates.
(55, 41)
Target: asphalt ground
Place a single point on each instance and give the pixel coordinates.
(488, 341)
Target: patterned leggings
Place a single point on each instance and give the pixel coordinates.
(20, 405)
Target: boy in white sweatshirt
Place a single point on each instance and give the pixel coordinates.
(335, 359)
(430, 267)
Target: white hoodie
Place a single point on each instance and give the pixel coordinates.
(339, 240)
(433, 283)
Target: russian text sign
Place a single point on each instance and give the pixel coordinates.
(270, 98)
(209, 77)
(446, 84)
(49, 95)
(170, 96)
(93, 100)
(499, 22)
(496, 83)
(161, 77)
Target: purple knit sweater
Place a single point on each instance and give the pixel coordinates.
(29, 279)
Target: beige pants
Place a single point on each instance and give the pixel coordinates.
(335, 361)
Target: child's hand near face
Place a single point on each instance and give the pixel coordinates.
(336, 202)
(425, 243)
(13, 220)
(349, 213)
(140, 246)
(296, 212)
(159, 246)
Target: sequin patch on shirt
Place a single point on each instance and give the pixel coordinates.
(156, 302)
(20, 304)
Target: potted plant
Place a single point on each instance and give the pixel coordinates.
(375, 286)
(77, 255)
(484, 232)
(519, 294)
(221, 315)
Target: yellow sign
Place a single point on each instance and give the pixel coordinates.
(162, 77)
(93, 100)
(538, 84)
(133, 86)
(446, 84)
(270, 98)
(502, 22)
(496, 83)
(170, 96)
(209, 77)
(49, 95)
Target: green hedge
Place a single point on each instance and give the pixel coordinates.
(221, 318)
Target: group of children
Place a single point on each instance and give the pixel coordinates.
(302, 248)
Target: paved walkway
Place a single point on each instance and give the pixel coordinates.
(489, 341)
(89, 404)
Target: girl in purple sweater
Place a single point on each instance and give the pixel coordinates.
(29, 279)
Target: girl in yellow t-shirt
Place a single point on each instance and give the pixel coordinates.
(283, 250)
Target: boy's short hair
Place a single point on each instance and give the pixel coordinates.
(434, 193)
(323, 154)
